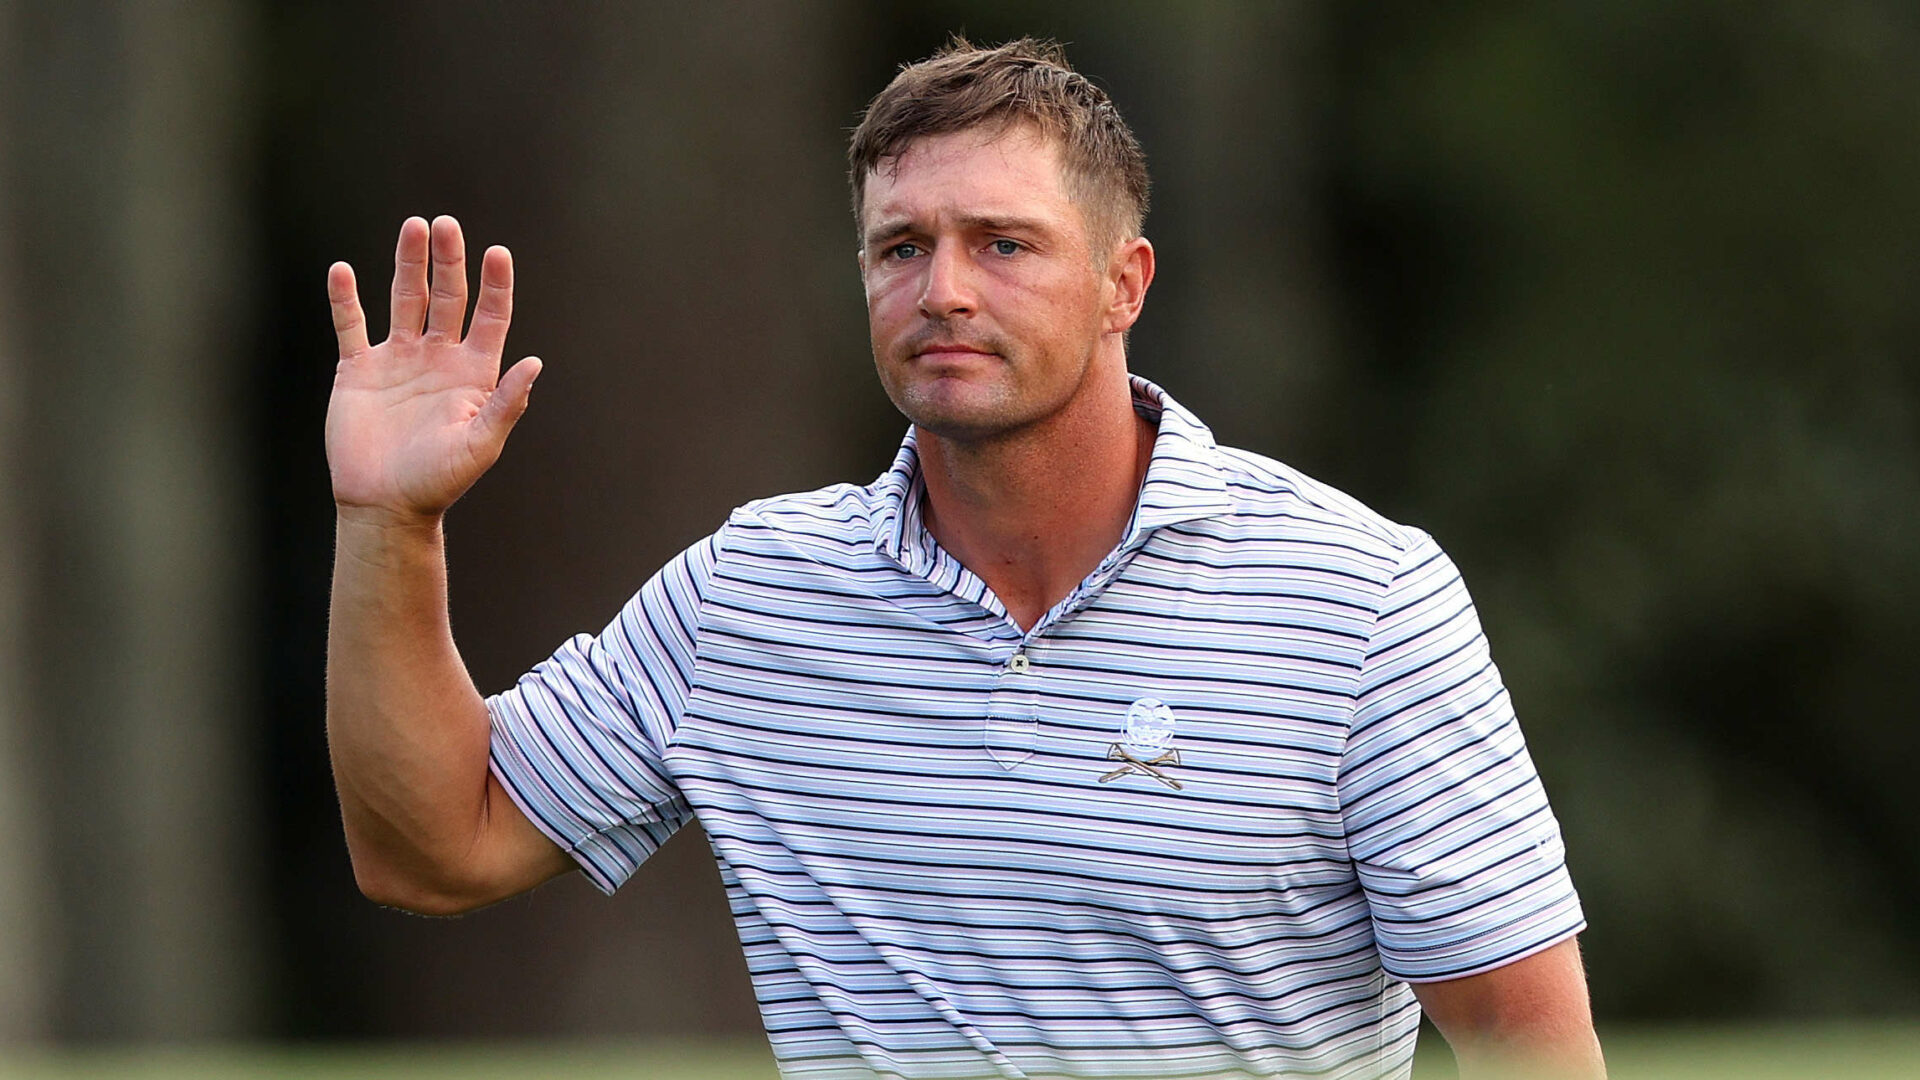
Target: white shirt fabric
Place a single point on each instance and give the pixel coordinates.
(1208, 817)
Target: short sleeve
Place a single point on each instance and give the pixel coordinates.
(1446, 821)
(580, 742)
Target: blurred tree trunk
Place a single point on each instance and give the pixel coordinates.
(124, 130)
(1255, 330)
(24, 915)
(686, 267)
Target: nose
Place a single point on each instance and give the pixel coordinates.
(948, 288)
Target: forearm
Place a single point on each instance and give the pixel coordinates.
(406, 729)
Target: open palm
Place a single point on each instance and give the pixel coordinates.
(416, 419)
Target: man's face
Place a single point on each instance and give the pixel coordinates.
(985, 300)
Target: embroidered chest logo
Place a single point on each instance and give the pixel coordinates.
(1147, 744)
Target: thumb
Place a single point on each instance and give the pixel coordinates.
(508, 403)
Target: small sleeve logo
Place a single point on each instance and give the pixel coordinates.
(1146, 743)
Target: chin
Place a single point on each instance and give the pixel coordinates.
(962, 413)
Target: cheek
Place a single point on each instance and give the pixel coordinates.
(1063, 307)
(890, 297)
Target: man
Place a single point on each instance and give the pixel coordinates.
(1074, 745)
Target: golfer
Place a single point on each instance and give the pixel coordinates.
(1073, 745)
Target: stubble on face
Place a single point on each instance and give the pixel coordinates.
(977, 399)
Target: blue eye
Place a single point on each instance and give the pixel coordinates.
(1006, 247)
(904, 251)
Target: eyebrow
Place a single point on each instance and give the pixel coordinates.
(980, 222)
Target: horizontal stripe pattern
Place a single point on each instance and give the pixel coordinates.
(1447, 824)
(934, 865)
(579, 743)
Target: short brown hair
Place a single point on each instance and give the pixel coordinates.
(965, 86)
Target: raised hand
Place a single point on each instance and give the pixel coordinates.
(416, 419)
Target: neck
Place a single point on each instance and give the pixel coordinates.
(1033, 512)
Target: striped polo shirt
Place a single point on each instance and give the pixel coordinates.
(1207, 817)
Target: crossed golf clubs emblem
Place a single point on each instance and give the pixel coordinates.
(1147, 744)
(1116, 752)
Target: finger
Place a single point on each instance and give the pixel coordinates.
(349, 322)
(447, 309)
(409, 280)
(508, 404)
(495, 309)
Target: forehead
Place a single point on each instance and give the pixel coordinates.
(974, 173)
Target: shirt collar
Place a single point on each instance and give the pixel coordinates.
(1185, 481)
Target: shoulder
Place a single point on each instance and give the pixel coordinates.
(1277, 501)
(838, 519)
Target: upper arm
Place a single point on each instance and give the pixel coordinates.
(511, 855)
(580, 745)
(1452, 837)
(505, 856)
(1532, 1012)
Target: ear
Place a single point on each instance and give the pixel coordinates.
(1130, 271)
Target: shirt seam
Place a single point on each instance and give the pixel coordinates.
(705, 593)
(1359, 686)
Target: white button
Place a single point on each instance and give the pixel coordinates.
(1018, 664)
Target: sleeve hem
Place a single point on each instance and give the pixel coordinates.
(590, 853)
(1579, 925)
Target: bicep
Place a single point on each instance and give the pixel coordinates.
(511, 854)
(1535, 1006)
(579, 770)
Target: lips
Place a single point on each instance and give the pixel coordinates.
(951, 350)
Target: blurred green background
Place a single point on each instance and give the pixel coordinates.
(1617, 300)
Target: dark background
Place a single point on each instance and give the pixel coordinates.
(1617, 300)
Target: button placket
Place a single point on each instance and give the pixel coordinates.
(1013, 712)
